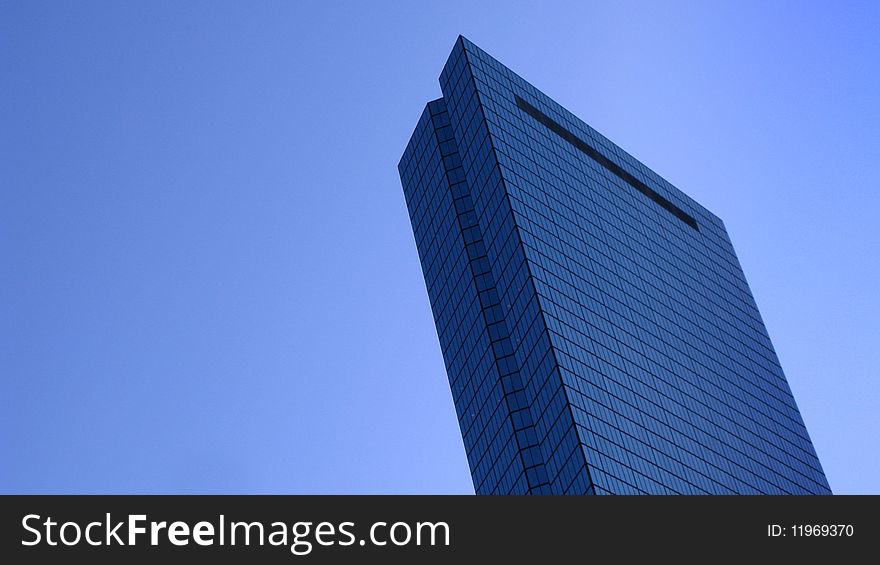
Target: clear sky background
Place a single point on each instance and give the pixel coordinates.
(208, 280)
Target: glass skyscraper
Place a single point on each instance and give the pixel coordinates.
(598, 332)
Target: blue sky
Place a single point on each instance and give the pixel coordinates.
(208, 278)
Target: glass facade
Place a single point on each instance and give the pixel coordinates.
(596, 326)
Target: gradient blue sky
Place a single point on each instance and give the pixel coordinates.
(208, 281)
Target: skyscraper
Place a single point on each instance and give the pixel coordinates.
(598, 332)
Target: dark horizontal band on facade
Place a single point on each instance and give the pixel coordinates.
(612, 167)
